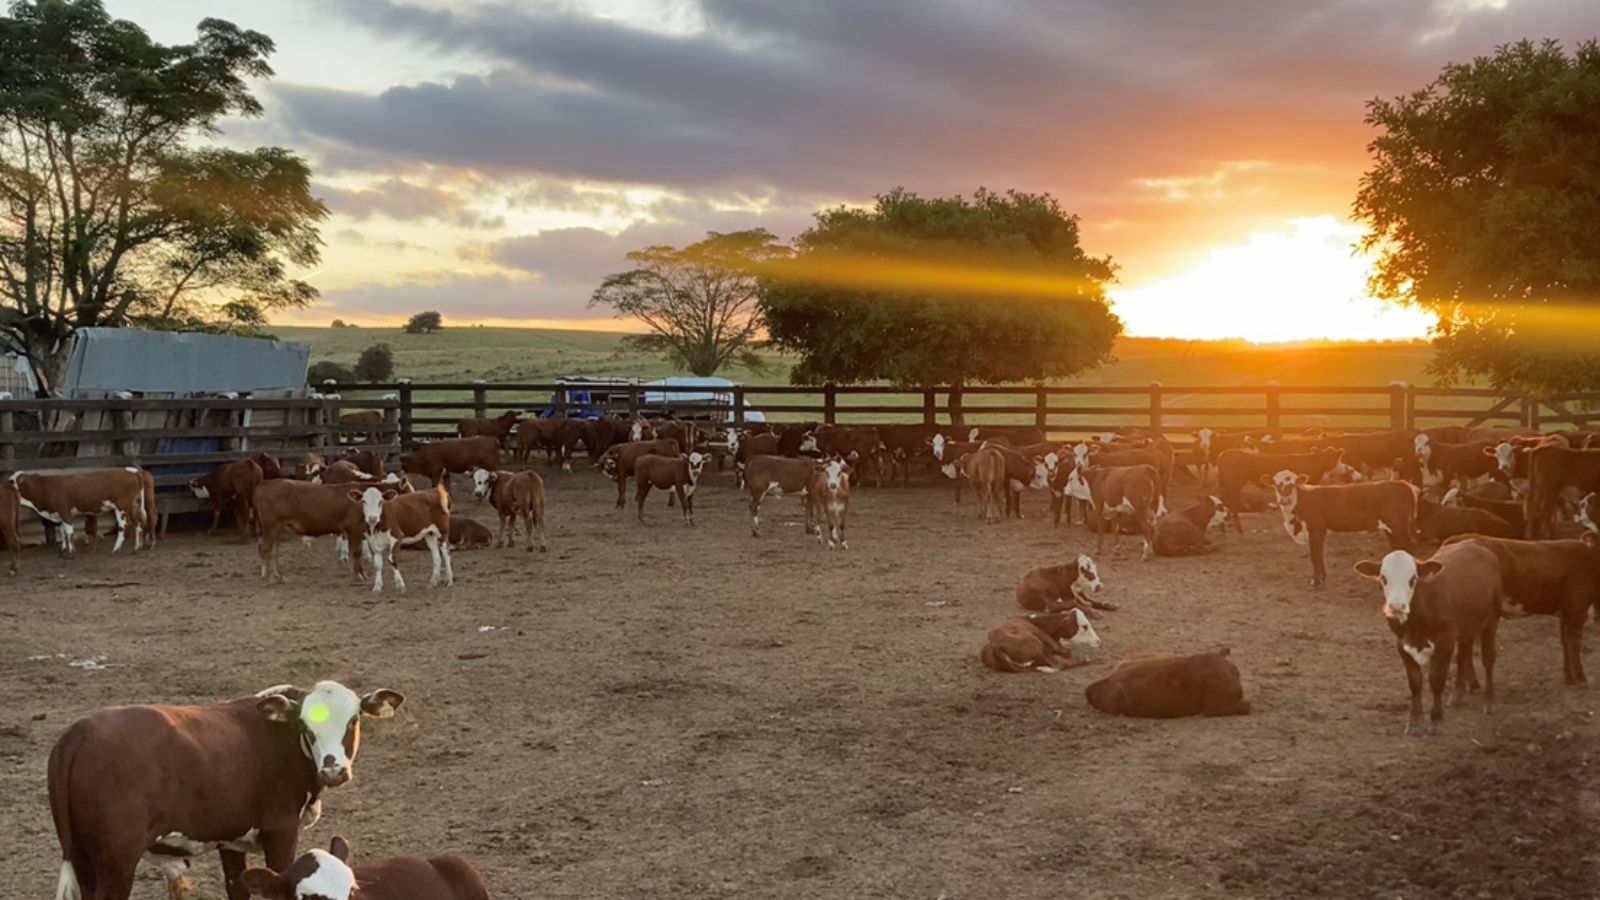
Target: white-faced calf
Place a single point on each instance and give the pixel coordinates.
(618, 462)
(513, 495)
(1052, 588)
(1437, 608)
(828, 502)
(399, 520)
(1169, 687)
(1183, 533)
(681, 474)
(171, 782)
(1122, 493)
(766, 475)
(1034, 643)
(1309, 512)
(328, 875)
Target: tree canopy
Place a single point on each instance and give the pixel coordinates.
(699, 302)
(113, 211)
(1483, 199)
(991, 288)
(424, 323)
(375, 364)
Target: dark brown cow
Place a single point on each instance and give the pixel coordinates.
(177, 781)
(1210, 444)
(1022, 473)
(1509, 510)
(1559, 578)
(230, 484)
(797, 439)
(1437, 522)
(1053, 588)
(1015, 435)
(365, 460)
(905, 444)
(438, 459)
(681, 474)
(1369, 451)
(766, 475)
(1169, 687)
(618, 462)
(1237, 468)
(744, 446)
(1437, 609)
(1309, 513)
(1183, 533)
(309, 510)
(1550, 471)
(860, 446)
(498, 427)
(127, 493)
(328, 875)
(1033, 643)
(513, 494)
(685, 433)
(270, 467)
(10, 523)
(1442, 463)
(1116, 493)
(468, 534)
(601, 435)
(363, 417)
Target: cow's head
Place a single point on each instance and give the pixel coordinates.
(734, 436)
(1505, 457)
(697, 463)
(198, 488)
(1286, 485)
(371, 500)
(608, 462)
(1451, 497)
(1398, 574)
(1589, 513)
(1041, 473)
(329, 719)
(1202, 441)
(1080, 454)
(482, 481)
(1084, 636)
(836, 474)
(636, 431)
(972, 435)
(316, 875)
(397, 481)
(1219, 512)
(1423, 447)
(1052, 461)
(1087, 580)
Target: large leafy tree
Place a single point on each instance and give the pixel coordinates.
(114, 211)
(699, 302)
(942, 291)
(1483, 201)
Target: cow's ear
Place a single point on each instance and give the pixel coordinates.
(1368, 569)
(1303, 479)
(264, 883)
(1591, 540)
(278, 707)
(390, 494)
(339, 848)
(1429, 569)
(1489, 451)
(382, 703)
(355, 496)
(1266, 481)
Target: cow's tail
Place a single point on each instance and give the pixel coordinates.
(147, 508)
(58, 779)
(996, 659)
(444, 495)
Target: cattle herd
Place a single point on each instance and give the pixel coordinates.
(1512, 517)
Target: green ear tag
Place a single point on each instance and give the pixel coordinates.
(317, 713)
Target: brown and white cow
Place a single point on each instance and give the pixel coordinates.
(860, 446)
(828, 502)
(1309, 512)
(743, 446)
(1589, 512)
(985, 468)
(1023, 472)
(1183, 533)
(680, 474)
(398, 520)
(1559, 578)
(1034, 643)
(340, 471)
(309, 510)
(10, 523)
(230, 485)
(1438, 608)
(498, 427)
(766, 475)
(1168, 687)
(60, 497)
(168, 783)
(436, 460)
(1158, 453)
(513, 494)
(1550, 471)
(328, 875)
(1118, 493)
(1442, 462)
(365, 460)
(1237, 468)
(619, 461)
(1053, 588)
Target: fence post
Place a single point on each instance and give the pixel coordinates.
(1273, 420)
(7, 426)
(930, 412)
(119, 422)
(558, 400)
(391, 427)
(738, 407)
(633, 401)
(830, 403)
(1399, 391)
(1530, 411)
(1156, 429)
(407, 437)
(480, 402)
(1041, 408)
(330, 424)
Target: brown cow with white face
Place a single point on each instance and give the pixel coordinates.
(680, 474)
(309, 510)
(1034, 643)
(1310, 512)
(328, 875)
(168, 783)
(400, 520)
(767, 475)
(1052, 588)
(436, 460)
(618, 462)
(59, 498)
(513, 494)
(828, 502)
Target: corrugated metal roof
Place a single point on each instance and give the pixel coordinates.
(124, 359)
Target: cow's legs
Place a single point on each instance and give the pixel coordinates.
(687, 502)
(1466, 675)
(367, 550)
(233, 865)
(216, 516)
(640, 495)
(1414, 722)
(267, 549)
(1489, 636)
(755, 513)
(500, 539)
(444, 557)
(1439, 679)
(622, 488)
(433, 553)
(1572, 647)
(1319, 572)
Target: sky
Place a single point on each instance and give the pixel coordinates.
(495, 159)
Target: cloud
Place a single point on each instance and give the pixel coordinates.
(399, 199)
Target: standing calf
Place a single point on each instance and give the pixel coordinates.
(1032, 643)
(828, 502)
(680, 473)
(1120, 492)
(399, 520)
(513, 494)
(1437, 608)
(1309, 513)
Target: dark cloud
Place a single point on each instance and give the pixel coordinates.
(398, 199)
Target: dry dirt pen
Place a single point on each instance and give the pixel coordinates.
(663, 712)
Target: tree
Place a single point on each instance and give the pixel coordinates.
(113, 212)
(338, 323)
(1483, 199)
(942, 291)
(699, 302)
(376, 364)
(328, 370)
(424, 323)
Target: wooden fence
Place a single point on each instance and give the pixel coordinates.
(430, 410)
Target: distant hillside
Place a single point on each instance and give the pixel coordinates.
(533, 354)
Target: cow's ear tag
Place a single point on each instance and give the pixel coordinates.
(317, 713)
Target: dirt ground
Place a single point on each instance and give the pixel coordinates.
(663, 712)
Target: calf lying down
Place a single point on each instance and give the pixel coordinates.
(1053, 588)
(328, 875)
(1170, 687)
(1034, 643)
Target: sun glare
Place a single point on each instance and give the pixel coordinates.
(1301, 284)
